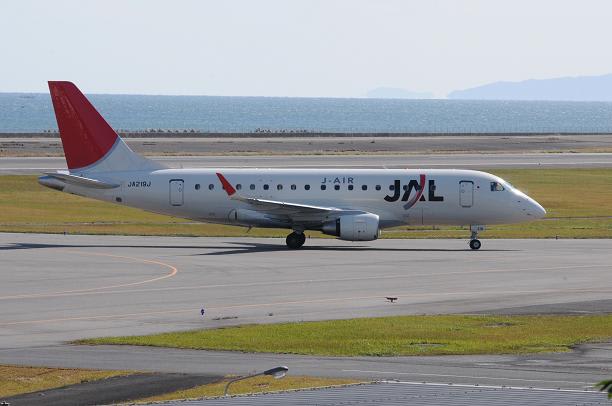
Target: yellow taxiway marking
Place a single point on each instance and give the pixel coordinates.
(299, 302)
(173, 271)
(103, 290)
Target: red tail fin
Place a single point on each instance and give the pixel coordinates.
(86, 136)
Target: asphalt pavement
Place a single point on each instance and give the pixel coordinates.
(55, 288)
(37, 165)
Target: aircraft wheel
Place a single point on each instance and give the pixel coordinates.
(295, 240)
(475, 244)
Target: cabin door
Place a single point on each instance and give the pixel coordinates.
(466, 193)
(176, 192)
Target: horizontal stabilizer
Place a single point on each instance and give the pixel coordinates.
(81, 181)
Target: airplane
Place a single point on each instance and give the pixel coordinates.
(351, 204)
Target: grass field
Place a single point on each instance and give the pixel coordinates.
(577, 201)
(15, 380)
(252, 385)
(393, 336)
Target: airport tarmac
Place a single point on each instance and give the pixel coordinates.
(37, 165)
(55, 288)
(294, 144)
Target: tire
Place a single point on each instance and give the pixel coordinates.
(295, 240)
(475, 244)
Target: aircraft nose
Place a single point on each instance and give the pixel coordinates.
(535, 209)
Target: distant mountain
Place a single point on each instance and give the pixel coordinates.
(579, 88)
(396, 93)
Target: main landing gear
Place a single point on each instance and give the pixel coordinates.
(474, 241)
(295, 240)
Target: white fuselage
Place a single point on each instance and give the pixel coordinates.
(352, 204)
(452, 197)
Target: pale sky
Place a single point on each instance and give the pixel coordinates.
(326, 48)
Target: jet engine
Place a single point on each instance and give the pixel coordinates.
(354, 227)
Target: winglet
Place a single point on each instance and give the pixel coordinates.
(226, 185)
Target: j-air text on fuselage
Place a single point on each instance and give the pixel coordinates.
(351, 204)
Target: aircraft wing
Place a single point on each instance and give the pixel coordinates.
(295, 211)
(284, 207)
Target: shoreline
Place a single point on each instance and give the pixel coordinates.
(300, 134)
(192, 144)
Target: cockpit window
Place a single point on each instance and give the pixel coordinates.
(496, 187)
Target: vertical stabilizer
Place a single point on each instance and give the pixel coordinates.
(90, 144)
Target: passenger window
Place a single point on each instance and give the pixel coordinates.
(364, 187)
(266, 187)
(252, 187)
(197, 186)
(405, 187)
(391, 187)
(306, 187)
(238, 186)
(323, 187)
(211, 186)
(496, 187)
(279, 187)
(293, 187)
(350, 187)
(337, 187)
(377, 187)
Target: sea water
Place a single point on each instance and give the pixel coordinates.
(28, 112)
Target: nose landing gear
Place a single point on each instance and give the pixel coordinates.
(295, 240)
(475, 243)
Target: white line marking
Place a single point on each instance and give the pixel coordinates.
(462, 376)
(463, 385)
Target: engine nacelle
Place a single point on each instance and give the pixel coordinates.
(354, 227)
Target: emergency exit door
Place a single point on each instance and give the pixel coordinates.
(466, 193)
(176, 192)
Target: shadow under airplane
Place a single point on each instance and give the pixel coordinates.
(239, 248)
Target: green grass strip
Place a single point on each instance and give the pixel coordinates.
(393, 336)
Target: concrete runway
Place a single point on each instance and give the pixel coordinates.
(55, 288)
(36, 165)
